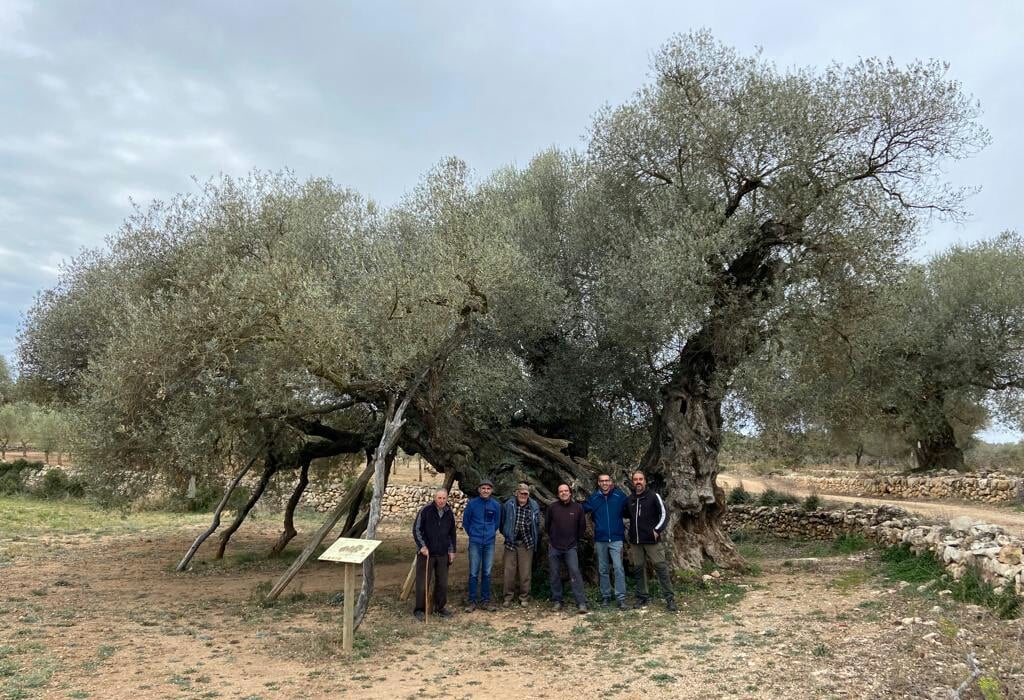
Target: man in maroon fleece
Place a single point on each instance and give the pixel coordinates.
(565, 523)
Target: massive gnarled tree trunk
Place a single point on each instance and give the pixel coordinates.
(682, 463)
(937, 449)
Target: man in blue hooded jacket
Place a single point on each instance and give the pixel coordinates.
(607, 508)
(480, 521)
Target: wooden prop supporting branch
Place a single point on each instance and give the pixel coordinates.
(410, 579)
(183, 564)
(388, 441)
(318, 537)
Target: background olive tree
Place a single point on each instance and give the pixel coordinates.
(930, 358)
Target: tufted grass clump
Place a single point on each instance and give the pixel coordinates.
(901, 564)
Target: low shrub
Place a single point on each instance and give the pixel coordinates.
(14, 476)
(739, 495)
(771, 497)
(57, 484)
(812, 503)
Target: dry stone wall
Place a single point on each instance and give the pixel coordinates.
(961, 543)
(993, 487)
(398, 502)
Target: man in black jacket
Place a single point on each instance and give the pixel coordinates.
(648, 518)
(434, 532)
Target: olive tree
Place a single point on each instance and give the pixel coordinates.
(734, 186)
(6, 383)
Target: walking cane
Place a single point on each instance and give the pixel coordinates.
(426, 589)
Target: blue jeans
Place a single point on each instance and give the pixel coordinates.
(572, 563)
(481, 558)
(613, 551)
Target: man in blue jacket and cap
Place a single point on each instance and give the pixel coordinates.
(607, 507)
(480, 521)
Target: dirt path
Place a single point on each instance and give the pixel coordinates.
(1011, 520)
(107, 618)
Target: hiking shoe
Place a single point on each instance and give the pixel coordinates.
(670, 605)
(556, 606)
(418, 615)
(507, 603)
(605, 602)
(522, 603)
(444, 612)
(470, 608)
(620, 604)
(490, 607)
(582, 609)
(640, 603)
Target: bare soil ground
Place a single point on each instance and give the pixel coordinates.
(103, 616)
(1004, 516)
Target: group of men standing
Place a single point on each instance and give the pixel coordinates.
(519, 521)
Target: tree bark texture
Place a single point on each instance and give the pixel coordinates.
(937, 449)
(682, 460)
(268, 473)
(289, 530)
(682, 464)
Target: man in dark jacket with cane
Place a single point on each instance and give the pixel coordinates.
(434, 532)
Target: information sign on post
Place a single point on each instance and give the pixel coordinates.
(349, 552)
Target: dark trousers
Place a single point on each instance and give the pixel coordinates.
(555, 559)
(654, 553)
(437, 565)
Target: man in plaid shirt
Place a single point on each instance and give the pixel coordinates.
(520, 526)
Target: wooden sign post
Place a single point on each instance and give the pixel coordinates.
(349, 552)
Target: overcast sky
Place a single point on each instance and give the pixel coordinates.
(108, 102)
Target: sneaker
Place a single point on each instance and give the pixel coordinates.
(605, 602)
(582, 609)
(522, 603)
(444, 612)
(620, 604)
(418, 615)
(507, 603)
(470, 607)
(490, 607)
(670, 605)
(556, 606)
(640, 603)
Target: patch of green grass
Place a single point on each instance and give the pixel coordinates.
(901, 564)
(990, 688)
(948, 628)
(821, 650)
(849, 580)
(28, 516)
(19, 680)
(849, 544)
(663, 678)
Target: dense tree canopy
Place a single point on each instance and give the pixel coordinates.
(590, 307)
